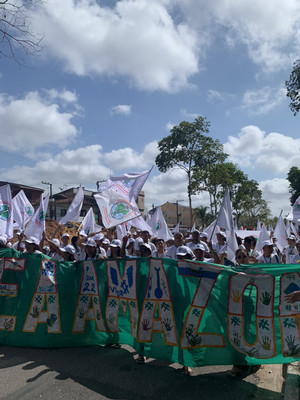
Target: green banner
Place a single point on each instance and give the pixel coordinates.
(187, 312)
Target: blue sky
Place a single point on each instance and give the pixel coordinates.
(114, 77)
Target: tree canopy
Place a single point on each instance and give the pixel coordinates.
(293, 88)
(294, 179)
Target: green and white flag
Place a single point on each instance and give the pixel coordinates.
(73, 212)
(159, 226)
(88, 223)
(23, 210)
(115, 208)
(6, 212)
(37, 224)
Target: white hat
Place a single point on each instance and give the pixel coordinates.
(65, 235)
(82, 233)
(199, 247)
(116, 243)
(204, 234)
(137, 242)
(56, 241)
(266, 243)
(90, 242)
(195, 230)
(183, 250)
(130, 240)
(105, 241)
(68, 249)
(32, 239)
(292, 237)
(98, 236)
(222, 234)
(147, 245)
(3, 240)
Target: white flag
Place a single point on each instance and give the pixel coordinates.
(258, 226)
(288, 226)
(176, 229)
(73, 212)
(23, 210)
(37, 224)
(225, 221)
(115, 209)
(294, 231)
(263, 235)
(159, 226)
(294, 215)
(140, 224)
(212, 231)
(6, 212)
(88, 223)
(280, 234)
(128, 185)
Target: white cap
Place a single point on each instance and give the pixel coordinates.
(56, 241)
(82, 233)
(130, 240)
(69, 249)
(204, 234)
(137, 242)
(3, 240)
(266, 243)
(116, 243)
(105, 241)
(199, 247)
(65, 235)
(90, 242)
(32, 239)
(195, 230)
(147, 245)
(98, 236)
(183, 250)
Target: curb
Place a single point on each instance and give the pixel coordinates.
(292, 382)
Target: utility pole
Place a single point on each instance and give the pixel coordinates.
(177, 213)
(51, 200)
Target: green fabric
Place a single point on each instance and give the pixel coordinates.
(186, 312)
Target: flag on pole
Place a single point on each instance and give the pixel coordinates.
(212, 231)
(88, 223)
(73, 212)
(37, 224)
(176, 229)
(294, 230)
(159, 226)
(127, 185)
(193, 227)
(294, 214)
(115, 209)
(140, 224)
(23, 210)
(280, 234)
(225, 221)
(263, 235)
(6, 212)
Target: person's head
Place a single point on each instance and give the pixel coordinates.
(221, 238)
(74, 240)
(199, 251)
(99, 238)
(65, 239)
(90, 247)
(267, 247)
(46, 250)
(204, 237)
(31, 244)
(115, 248)
(298, 246)
(145, 235)
(145, 250)
(196, 236)
(68, 253)
(291, 241)
(105, 244)
(160, 245)
(3, 242)
(178, 239)
(241, 256)
(184, 253)
(170, 242)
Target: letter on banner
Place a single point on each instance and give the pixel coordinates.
(289, 315)
(122, 289)
(46, 290)
(8, 322)
(157, 296)
(264, 346)
(207, 275)
(88, 293)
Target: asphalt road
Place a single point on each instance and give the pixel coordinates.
(105, 373)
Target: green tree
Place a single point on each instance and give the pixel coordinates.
(293, 88)
(203, 216)
(294, 179)
(184, 147)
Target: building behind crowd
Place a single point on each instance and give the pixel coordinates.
(33, 194)
(175, 212)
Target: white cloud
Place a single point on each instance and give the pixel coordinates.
(122, 109)
(136, 39)
(189, 115)
(32, 122)
(216, 95)
(273, 152)
(263, 100)
(276, 193)
(169, 126)
(129, 158)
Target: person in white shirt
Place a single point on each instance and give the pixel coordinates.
(145, 235)
(196, 240)
(221, 242)
(160, 251)
(296, 258)
(268, 257)
(178, 241)
(289, 251)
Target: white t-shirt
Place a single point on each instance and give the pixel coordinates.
(192, 246)
(274, 259)
(295, 259)
(289, 252)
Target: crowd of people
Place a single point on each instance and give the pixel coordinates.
(195, 246)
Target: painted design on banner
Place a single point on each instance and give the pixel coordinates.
(122, 289)
(289, 315)
(45, 305)
(4, 210)
(120, 209)
(191, 337)
(88, 303)
(264, 345)
(157, 312)
(10, 289)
